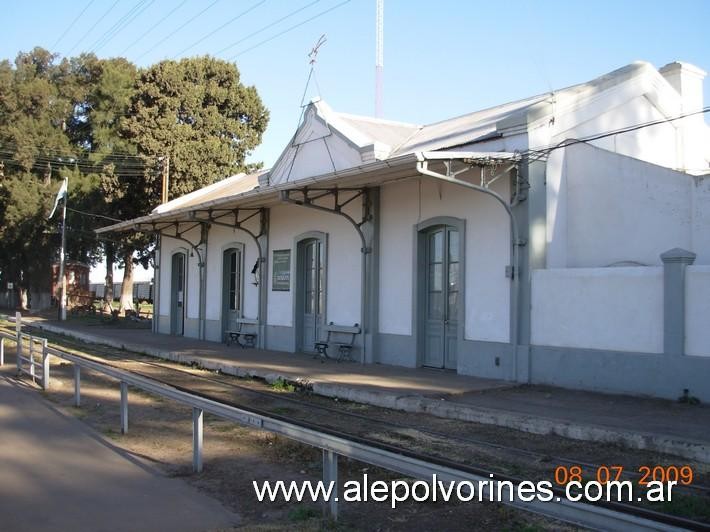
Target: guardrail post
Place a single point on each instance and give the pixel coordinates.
(124, 408)
(32, 358)
(18, 331)
(45, 365)
(197, 431)
(330, 477)
(77, 385)
(2, 351)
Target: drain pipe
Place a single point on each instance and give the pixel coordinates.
(515, 242)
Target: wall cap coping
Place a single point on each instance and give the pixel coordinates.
(678, 255)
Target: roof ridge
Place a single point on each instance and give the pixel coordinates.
(376, 120)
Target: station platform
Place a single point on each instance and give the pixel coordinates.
(58, 474)
(639, 423)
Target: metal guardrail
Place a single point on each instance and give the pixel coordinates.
(334, 445)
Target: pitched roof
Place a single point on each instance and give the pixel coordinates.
(226, 187)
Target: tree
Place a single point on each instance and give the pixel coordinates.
(37, 99)
(197, 113)
(55, 123)
(97, 126)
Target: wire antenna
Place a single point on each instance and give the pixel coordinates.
(313, 54)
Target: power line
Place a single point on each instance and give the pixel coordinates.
(177, 30)
(61, 154)
(116, 24)
(230, 21)
(288, 30)
(72, 24)
(91, 27)
(93, 215)
(153, 27)
(543, 152)
(292, 13)
(139, 11)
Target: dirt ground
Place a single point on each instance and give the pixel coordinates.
(160, 432)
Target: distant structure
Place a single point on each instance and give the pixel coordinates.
(379, 56)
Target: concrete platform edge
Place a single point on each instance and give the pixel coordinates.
(694, 450)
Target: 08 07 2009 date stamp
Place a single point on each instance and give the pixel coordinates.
(680, 475)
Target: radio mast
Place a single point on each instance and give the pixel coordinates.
(379, 56)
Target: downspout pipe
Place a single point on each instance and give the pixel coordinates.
(515, 242)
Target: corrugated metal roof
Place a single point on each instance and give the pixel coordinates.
(230, 186)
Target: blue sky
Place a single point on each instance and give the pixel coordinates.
(442, 58)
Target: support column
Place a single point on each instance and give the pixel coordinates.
(263, 240)
(204, 236)
(124, 408)
(675, 262)
(530, 211)
(370, 292)
(330, 474)
(156, 285)
(2, 351)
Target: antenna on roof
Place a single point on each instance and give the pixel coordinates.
(312, 58)
(379, 55)
(313, 55)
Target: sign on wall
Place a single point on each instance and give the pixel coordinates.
(281, 278)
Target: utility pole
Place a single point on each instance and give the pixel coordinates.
(62, 194)
(379, 55)
(166, 179)
(62, 253)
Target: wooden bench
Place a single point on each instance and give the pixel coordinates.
(245, 333)
(340, 336)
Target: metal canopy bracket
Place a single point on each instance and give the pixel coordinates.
(307, 197)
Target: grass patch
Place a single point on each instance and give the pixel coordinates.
(280, 385)
(689, 506)
(303, 513)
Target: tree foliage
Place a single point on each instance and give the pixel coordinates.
(110, 127)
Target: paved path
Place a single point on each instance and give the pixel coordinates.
(641, 423)
(57, 474)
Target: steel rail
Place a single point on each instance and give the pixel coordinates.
(388, 457)
(173, 366)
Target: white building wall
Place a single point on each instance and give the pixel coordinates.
(599, 308)
(403, 205)
(343, 279)
(697, 311)
(168, 247)
(604, 208)
(221, 238)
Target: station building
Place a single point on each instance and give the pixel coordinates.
(561, 239)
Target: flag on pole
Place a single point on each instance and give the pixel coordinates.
(62, 194)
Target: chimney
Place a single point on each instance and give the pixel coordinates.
(687, 80)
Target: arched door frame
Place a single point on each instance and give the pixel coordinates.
(418, 296)
(186, 262)
(241, 247)
(296, 269)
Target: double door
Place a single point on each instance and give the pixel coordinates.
(441, 297)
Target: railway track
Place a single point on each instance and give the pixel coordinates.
(185, 379)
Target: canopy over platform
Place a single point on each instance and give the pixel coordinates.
(244, 191)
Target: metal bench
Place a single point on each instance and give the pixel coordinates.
(340, 336)
(245, 333)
